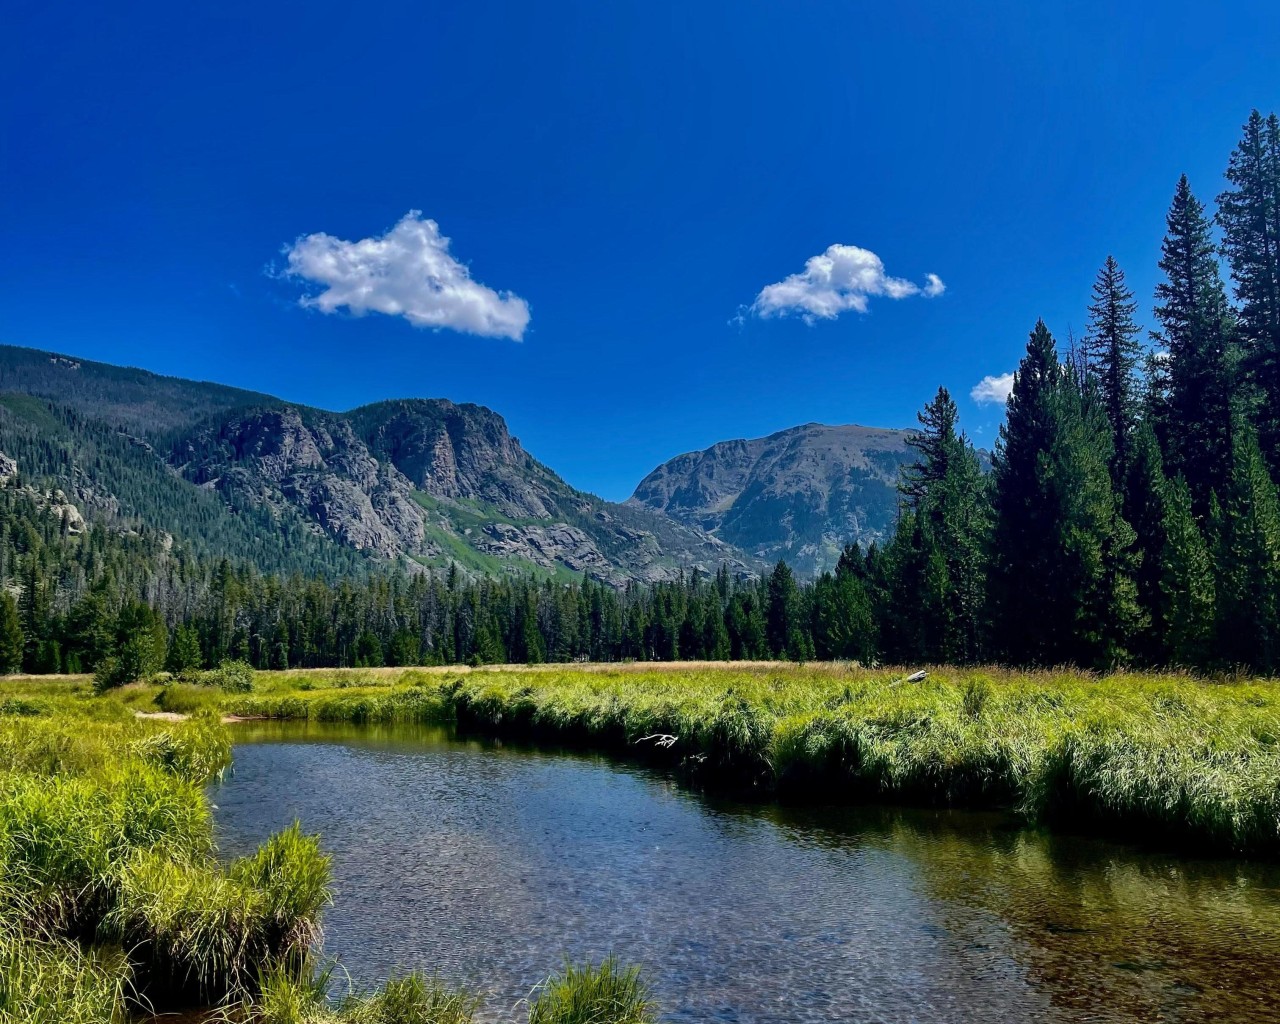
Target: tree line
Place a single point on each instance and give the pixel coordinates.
(1130, 516)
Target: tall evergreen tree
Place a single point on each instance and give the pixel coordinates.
(782, 622)
(843, 619)
(1144, 509)
(1112, 351)
(1249, 214)
(11, 639)
(940, 582)
(1188, 606)
(1196, 324)
(1060, 586)
(1247, 535)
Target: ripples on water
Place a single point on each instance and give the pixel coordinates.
(492, 864)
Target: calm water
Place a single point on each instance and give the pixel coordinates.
(491, 864)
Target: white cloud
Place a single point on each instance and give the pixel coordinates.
(406, 272)
(844, 277)
(993, 390)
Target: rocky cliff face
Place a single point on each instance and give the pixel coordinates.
(432, 482)
(800, 494)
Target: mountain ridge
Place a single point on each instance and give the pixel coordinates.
(801, 493)
(416, 482)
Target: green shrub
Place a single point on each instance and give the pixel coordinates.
(22, 708)
(230, 677)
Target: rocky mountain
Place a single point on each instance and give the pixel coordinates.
(420, 482)
(801, 494)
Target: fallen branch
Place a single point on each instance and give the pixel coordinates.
(661, 739)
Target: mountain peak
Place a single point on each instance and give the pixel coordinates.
(802, 493)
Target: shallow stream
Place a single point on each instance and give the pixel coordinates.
(490, 864)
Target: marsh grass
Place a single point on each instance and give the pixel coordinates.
(56, 982)
(607, 993)
(289, 995)
(201, 932)
(106, 844)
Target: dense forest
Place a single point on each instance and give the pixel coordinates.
(1131, 515)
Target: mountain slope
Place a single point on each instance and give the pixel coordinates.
(138, 401)
(242, 475)
(801, 494)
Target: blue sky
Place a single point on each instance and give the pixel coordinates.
(621, 183)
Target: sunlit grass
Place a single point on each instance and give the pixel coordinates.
(589, 994)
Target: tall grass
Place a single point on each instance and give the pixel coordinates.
(590, 994)
(111, 898)
(202, 932)
(57, 982)
(106, 844)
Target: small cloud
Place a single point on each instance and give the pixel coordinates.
(844, 277)
(993, 390)
(407, 272)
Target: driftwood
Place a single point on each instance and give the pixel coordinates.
(915, 677)
(661, 739)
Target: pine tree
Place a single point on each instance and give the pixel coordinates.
(950, 512)
(33, 613)
(843, 620)
(11, 638)
(184, 651)
(1249, 214)
(1196, 327)
(1112, 352)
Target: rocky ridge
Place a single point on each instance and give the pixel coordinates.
(801, 494)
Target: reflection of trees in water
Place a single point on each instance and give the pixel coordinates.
(1107, 930)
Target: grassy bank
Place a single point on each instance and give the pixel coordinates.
(113, 903)
(1197, 763)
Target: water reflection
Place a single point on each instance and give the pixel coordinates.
(491, 863)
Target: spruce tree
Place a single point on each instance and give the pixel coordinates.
(782, 619)
(184, 651)
(1061, 587)
(1247, 537)
(843, 619)
(11, 638)
(1249, 214)
(939, 585)
(1144, 509)
(1196, 324)
(1112, 352)
(1188, 603)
